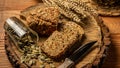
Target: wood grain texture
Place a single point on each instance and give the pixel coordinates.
(13, 7)
(113, 58)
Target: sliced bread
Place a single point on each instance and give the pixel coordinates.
(63, 40)
(42, 19)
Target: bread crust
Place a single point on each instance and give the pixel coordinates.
(61, 41)
(42, 19)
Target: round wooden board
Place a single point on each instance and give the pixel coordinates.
(14, 55)
(8, 8)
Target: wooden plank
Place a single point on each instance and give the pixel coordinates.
(14, 4)
(111, 66)
(2, 66)
(2, 34)
(113, 23)
(8, 13)
(2, 48)
(4, 60)
(2, 51)
(10, 8)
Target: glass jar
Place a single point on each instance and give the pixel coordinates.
(19, 33)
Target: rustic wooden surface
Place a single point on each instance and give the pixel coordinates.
(12, 7)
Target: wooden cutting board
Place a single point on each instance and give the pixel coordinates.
(12, 7)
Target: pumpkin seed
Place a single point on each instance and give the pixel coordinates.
(30, 62)
(42, 66)
(52, 66)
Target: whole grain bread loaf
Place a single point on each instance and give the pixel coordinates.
(41, 19)
(63, 40)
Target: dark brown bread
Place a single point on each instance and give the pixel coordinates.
(41, 19)
(105, 7)
(61, 41)
(109, 3)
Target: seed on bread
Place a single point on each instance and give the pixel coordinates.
(43, 20)
(61, 41)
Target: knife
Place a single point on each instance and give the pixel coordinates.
(69, 62)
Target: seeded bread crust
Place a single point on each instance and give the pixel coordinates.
(42, 19)
(62, 40)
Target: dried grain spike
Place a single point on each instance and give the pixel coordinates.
(82, 5)
(72, 9)
(64, 9)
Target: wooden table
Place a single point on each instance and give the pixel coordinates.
(13, 7)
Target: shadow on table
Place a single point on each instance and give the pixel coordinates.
(111, 61)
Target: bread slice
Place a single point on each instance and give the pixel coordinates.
(63, 40)
(42, 19)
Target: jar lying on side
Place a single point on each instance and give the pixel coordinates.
(19, 33)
